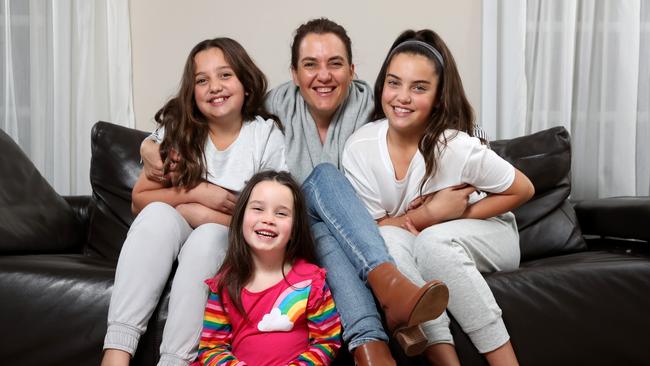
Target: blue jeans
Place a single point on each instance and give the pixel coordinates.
(349, 246)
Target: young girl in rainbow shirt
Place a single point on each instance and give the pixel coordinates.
(268, 304)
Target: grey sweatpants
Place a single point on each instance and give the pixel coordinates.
(157, 237)
(456, 252)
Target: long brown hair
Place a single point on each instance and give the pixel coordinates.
(186, 129)
(237, 267)
(451, 108)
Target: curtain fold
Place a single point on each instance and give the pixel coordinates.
(585, 69)
(76, 56)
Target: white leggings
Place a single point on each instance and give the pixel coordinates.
(456, 252)
(158, 237)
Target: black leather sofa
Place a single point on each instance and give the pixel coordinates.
(581, 296)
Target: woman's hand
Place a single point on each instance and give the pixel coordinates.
(153, 164)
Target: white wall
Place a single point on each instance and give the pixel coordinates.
(164, 31)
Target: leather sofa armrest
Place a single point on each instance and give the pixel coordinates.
(616, 217)
(82, 207)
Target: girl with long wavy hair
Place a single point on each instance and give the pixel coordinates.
(214, 135)
(440, 196)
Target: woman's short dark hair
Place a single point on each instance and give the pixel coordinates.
(319, 26)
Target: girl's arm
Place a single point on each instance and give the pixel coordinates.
(196, 214)
(451, 203)
(444, 205)
(216, 336)
(324, 332)
(520, 191)
(209, 195)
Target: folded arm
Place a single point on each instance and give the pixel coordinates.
(204, 203)
(452, 203)
(444, 205)
(520, 191)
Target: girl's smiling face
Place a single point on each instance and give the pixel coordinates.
(218, 93)
(409, 92)
(268, 219)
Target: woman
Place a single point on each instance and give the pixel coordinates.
(320, 109)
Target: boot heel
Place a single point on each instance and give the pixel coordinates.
(431, 304)
(411, 339)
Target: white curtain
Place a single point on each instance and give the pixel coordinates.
(65, 65)
(582, 64)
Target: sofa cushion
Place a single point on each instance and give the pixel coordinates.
(58, 302)
(33, 217)
(585, 308)
(114, 169)
(547, 223)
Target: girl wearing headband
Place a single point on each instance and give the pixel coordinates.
(440, 196)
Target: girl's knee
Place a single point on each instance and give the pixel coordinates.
(159, 221)
(160, 213)
(207, 240)
(439, 247)
(158, 207)
(210, 230)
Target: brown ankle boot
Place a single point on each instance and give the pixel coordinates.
(374, 353)
(406, 306)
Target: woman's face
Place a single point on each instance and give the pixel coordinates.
(409, 92)
(323, 73)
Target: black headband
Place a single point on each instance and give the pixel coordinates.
(415, 42)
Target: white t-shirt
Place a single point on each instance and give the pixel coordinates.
(259, 146)
(368, 167)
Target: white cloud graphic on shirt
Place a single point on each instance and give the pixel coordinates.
(275, 322)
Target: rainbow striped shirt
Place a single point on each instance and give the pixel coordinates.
(293, 322)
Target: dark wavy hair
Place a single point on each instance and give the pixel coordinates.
(186, 129)
(451, 108)
(237, 267)
(319, 26)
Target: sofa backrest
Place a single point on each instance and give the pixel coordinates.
(33, 217)
(114, 169)
(547, 223)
